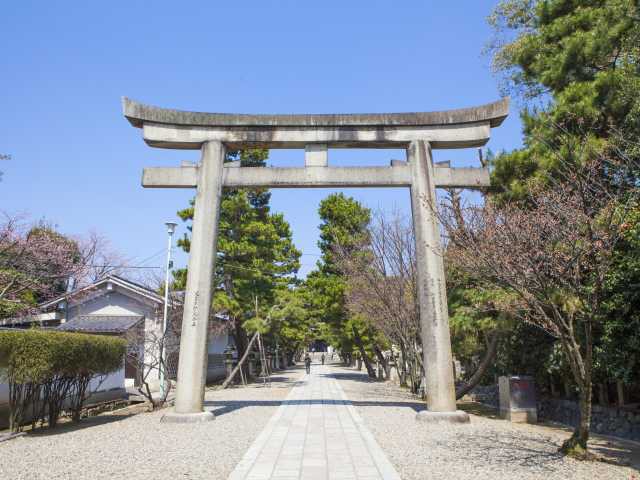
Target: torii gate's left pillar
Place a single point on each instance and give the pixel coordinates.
(192, 369)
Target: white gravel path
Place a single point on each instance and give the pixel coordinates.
(315, 435)
(140, 447)
(484, 449)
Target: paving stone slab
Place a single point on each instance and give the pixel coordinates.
(315, 434)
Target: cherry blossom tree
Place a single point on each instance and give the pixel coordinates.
(552, 253)
(381, 280)
(37, 263)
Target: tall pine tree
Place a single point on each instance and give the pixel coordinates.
(344, 222)
(575, 66)
(256, 255)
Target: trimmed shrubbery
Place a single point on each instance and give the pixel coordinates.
(48, 371)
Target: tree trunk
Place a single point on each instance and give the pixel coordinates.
(576, 445)
(552, 387)
(383, 361)
(402, 372)
(620, 392)
(603, 395)
(486, 362)
(240, 364)
(240, 338)
(365, 358)
(581, 366)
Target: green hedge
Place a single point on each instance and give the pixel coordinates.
(48, 371)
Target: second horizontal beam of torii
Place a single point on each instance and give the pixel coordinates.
(216, 134)
(396, 175)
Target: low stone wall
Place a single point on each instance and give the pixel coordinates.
(486, 394)
(617, 422)
(605, 420)
(94, 398)
(216, 369)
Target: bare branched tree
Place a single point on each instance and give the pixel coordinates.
(381, 279)
(554, 253)
(102, 259)
(153, 353)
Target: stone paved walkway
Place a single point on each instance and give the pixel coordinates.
(316, 434)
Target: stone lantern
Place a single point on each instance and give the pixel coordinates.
(269, 356)
(252, 364)
(229, 361)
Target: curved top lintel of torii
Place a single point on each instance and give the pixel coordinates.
(138, 114)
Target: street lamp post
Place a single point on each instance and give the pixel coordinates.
(171, 228)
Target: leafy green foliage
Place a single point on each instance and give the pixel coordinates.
(256, 254)
(55, 364)
(617, 353)
(344, 223)
(293, 326)
(579, 62)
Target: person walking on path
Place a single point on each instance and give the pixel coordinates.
(322, 358)
(307, 363)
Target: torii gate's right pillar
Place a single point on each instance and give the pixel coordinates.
(432, 295)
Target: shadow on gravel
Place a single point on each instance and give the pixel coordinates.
(276, 382)
(616, 452)
(527, 451)
(281, 378)
(355, 376)
(222, 407)
(534, 452)
(479, 409)
(88, 422)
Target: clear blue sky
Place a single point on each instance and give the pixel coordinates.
(77, 162)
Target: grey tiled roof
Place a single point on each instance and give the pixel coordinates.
(101, 323)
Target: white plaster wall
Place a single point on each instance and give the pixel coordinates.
(154, 330)
(215, 350)
(112, 303)
(117, 303)
(218, 343)
(111, 381)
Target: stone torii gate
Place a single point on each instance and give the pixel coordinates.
(214, 133)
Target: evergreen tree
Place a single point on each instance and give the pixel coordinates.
(344, 223)
(575, 66)
(256, 254)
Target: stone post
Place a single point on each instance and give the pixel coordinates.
(620, 392)
(229, 363)
(252, 364)
(518, 399)
(192, 369)
(269, 363)
(432, 299)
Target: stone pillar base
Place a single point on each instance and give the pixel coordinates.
(520, 416)
(199, 417)
(437, 417)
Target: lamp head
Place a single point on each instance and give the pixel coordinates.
(171, 227)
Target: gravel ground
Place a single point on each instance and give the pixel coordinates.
(140, 447)
(487, 448)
